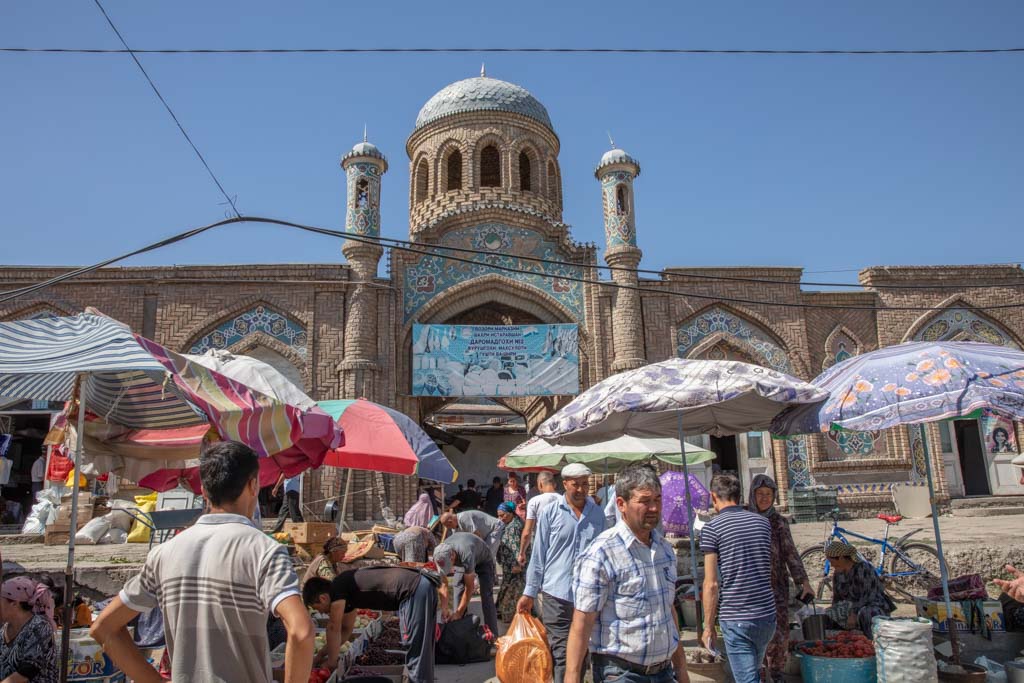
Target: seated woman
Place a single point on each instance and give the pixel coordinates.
(326, 564)
(857, 593)
(414, 544)
(27, 651)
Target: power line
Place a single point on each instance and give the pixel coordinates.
(492, 50)
(156, 90)
(430, 250)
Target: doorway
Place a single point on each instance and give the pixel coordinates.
(973, 465)
(726, 454)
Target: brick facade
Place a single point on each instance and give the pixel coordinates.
(349, 335)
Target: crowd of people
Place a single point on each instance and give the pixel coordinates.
(596, 568)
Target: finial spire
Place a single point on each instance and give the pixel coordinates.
(364, 132)
(612, 142)
(483, 70)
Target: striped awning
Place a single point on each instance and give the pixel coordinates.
(41, 358)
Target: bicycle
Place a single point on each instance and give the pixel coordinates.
(913, 567)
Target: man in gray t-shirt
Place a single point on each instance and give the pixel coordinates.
(478, 523)
(215, 584)
(467, 557)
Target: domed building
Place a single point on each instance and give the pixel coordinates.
(490, 250)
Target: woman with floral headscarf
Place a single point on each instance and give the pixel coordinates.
(27, 651)
(513, 574)
(785, 564)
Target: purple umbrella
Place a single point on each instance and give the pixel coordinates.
(675, 516)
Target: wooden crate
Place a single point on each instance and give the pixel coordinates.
(310, 532)
(56, 537)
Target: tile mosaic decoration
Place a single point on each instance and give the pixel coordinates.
(363, 201)
(841, 444)
(618, 228)
(431, 275)
(751, 340)
(797, 464)
(839, 346)
(917, 449)
(961, 324)
(258, 319)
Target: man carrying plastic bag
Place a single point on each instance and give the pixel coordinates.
(523, 653)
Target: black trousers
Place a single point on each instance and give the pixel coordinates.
(290, 505)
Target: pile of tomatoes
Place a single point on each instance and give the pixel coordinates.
(319, 675)
(847, 645)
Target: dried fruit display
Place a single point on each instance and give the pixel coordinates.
(846, 645)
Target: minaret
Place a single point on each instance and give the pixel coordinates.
(363, 167)
(616, 173)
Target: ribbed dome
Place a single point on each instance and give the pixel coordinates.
(617, 156)
(482, 94)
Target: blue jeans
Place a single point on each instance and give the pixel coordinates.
(607, 672)
(745, 645)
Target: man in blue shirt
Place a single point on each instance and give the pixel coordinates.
(624, 592)
(737, 546)
(290, 504)
(565, 529)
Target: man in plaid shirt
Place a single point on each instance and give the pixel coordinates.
(625, 587)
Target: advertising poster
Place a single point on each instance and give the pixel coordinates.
(998, 434)
(495, 360)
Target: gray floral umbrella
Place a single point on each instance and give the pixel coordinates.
(676, 397)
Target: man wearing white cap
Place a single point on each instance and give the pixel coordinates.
(565, 529)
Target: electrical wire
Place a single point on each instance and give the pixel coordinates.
(502, 50)
(429, 250)
(170, 111)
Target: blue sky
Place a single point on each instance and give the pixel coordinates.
(824, 162)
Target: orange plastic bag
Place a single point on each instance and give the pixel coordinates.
(523, 654)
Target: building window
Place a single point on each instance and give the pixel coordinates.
(490, 167)
(422, 180)
(621, 205)
(524, 172)
(454, 171)
(362, 193)
(945, 437)
(755, 445)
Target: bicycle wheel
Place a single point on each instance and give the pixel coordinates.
(913, 570)
(813, 560)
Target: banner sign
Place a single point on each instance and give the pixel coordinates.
(495, 360)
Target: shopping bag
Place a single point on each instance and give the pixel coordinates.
(523, 654)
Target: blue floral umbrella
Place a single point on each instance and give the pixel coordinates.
(914, 383)
(675, 397)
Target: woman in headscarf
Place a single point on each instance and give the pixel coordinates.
(27, 651)
(326, 564)
(421, 512)
(857, 593)
(515, 494)
(413, 544)
(513, 574)
(785, 564)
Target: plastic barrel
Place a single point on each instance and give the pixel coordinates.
(831, 670)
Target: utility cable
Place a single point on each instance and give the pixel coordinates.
(503, 50)
(170, 111)
(430, 250)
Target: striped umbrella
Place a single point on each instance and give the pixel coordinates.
(381, 439)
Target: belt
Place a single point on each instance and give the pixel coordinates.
(633, 667)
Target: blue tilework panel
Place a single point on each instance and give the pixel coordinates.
(431, 275)
(259, 319)
(754, 342)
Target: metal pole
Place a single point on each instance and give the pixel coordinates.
(344, 502)
(943, 570)
(689, 524)
(69, 570)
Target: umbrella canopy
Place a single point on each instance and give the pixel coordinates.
(912, 383)
(614, 453)
(915, 383)
(675, 514)
(381, 439)
(711, 397)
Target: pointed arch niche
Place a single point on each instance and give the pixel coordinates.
(719, 332)
(258, 324)
(958, 322)
(840, 344)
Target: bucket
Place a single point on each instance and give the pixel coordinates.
(813, 626)
(833, 670)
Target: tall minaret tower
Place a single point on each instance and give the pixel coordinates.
(364, 166)
(616, 172)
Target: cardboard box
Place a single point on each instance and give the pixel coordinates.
(310, 532)
(936, 612)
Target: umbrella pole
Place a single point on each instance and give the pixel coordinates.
(943, 570)
(344, 502)
(69, 570)
(689, 525)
